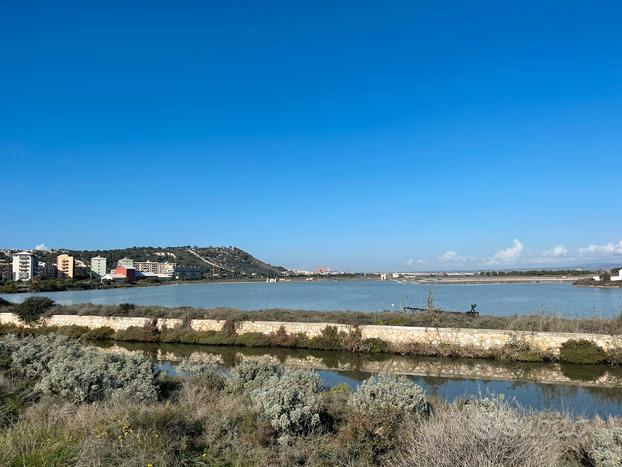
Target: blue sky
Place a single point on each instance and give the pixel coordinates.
(358, 135)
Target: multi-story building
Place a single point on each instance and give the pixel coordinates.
(6, 271)
(188, 273)
(160, 269)
(24, 266)
(98, 266)
(126, 262)
(65, 266)
(46, 270)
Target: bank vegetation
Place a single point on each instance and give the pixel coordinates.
(537, 322)
(63, 403)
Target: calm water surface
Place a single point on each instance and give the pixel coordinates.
(583, 396)
(498, 299)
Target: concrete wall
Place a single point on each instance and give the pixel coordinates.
(477, 338)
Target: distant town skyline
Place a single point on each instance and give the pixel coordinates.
(359, 136)
(515, 256)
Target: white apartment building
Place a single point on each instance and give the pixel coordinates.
(24, 266)
(126, 262)
(160, 269)
(98, 266)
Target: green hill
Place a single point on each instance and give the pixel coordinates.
(226, 262)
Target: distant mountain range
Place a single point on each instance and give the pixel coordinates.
(225, 261)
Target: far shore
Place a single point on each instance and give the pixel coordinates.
(495, 280)
(427, 280)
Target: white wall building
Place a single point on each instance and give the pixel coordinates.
(126, 262)
(24, 266)
(98, 266)
(618, 277)
(159, 269)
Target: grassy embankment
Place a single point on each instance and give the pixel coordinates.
(62, 403)
(533, 322)
(574, 351)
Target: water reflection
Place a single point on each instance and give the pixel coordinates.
(577, 390)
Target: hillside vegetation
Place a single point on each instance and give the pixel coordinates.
(224, 261)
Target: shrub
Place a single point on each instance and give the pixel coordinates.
(229, 328)
(93, 376)
(374, 345)
(8, 345)
(203, 367)
(496, 437)
(253, 339)
(31, 309)
(79, 374)
(171, 335)
(9, 287)
(519, 350)
(376, 413)
(281, 339)
(97, 334)
(30, 360)
(126, 307)
(250, 374)
(4, 302)
(72, 331)
(606, 448)
(490, 403)
(147, 333)
(291, 402)
(330, 339)
(614, 355)
(581, 351)
(389, 395)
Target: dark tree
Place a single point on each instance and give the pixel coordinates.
(31, 309)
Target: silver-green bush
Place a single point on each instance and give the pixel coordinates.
(76, 373)
(199, 365)
(34, 354)
(291, 402)
(388, 395)
(94, 376)
(8, 345)
(251, 374)
(606, 450)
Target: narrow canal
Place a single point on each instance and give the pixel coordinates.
(578, 390)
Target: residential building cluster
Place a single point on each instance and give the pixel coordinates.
(128, 270)
(25, 267)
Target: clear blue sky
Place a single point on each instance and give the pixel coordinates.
(358, 135)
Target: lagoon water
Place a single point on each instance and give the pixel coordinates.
(362, 295)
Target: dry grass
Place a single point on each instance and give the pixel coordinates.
(476, 436)
(197, 424)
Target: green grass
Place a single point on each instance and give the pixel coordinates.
(582, 352)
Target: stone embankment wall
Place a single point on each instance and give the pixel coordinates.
(476, 338)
